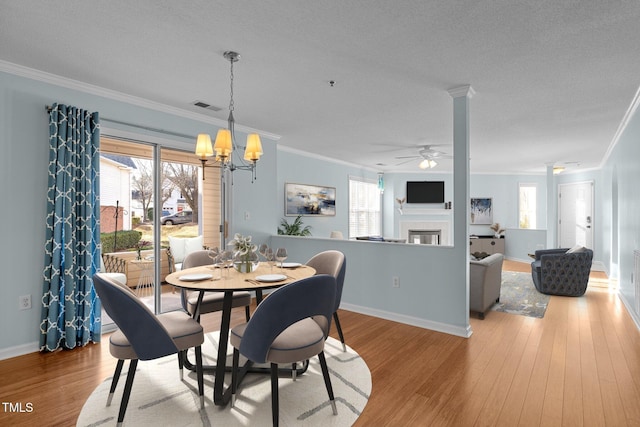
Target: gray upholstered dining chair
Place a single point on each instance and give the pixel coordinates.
(211, 301)
(333, 263)
(144, 336)
(292, 324)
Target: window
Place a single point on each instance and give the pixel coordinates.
(527, 206)
(364, 208)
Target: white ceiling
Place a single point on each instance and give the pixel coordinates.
(553, 79)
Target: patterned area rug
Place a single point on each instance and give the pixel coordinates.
(518, 295)
(158, 397)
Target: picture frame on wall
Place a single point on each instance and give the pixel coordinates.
(482, 210)
(309, 200)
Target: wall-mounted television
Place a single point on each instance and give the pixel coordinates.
(425, 191)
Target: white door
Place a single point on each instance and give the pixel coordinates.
(575, 214)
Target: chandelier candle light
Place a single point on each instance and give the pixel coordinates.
(225, 144)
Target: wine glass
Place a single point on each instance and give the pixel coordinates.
(281, 255)
(226, 260)
(263, 249)
(213, 254)
(270, 257)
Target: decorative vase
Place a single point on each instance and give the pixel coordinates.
(246, 263)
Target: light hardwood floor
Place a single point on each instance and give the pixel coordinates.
(579, 365)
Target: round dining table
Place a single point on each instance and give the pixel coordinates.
(214, 279)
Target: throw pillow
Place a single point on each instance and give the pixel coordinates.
(576, 249)
(182, 246)
(192, 244)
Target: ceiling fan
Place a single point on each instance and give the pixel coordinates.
(428, 155)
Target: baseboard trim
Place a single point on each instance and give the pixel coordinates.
(19, 350)
(629, 305)
(464, 332)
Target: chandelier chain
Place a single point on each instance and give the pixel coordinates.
(231, 104)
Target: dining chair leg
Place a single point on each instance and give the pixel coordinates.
(182, 354)
(200, 375)
(234, 375)
(247, 313)
(294, 371)
(127, 390)
(114, 381)
(275, 406)
(327, 381)
(337, 321)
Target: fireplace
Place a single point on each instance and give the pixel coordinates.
(425, 237)
(434, 232)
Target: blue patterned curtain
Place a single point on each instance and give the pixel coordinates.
(71, 309)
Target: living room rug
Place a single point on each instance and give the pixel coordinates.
(518, 295)
(159, 397)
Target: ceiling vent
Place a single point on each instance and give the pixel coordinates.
(206, 106)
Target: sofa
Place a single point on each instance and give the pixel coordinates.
(562, 271)
(485, 280)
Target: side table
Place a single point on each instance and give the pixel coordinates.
(145, 285)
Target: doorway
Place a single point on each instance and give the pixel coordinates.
(575, 214)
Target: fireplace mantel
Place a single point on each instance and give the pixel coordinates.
(415, 211)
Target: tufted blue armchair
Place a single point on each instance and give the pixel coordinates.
(558, 272)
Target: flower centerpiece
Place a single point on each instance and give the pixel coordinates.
(245, 258)
(497, 230)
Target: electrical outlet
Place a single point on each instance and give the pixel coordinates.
(395, 281)
(24, 302)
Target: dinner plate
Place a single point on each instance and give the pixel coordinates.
(195, 277)
(291, 264)
(271, 278)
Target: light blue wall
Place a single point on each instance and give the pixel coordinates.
(619, 200)
(295, 167)
(426, 296)
(24, 160)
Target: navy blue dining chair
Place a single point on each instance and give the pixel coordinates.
(292, 324)
(144, 336)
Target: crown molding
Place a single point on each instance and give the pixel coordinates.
(461, 91)
(324, 158)
(67, 83)
(633, 107)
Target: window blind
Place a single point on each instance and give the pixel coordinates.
(364, 208)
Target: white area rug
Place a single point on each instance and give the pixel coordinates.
(159, 398)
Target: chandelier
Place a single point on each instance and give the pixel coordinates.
(225, 144)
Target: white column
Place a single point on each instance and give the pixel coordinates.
(461, 197)
(552, 208)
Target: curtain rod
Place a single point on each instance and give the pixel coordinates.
(152, 129)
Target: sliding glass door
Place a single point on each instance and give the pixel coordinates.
(151, 197)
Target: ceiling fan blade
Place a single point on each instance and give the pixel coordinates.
(407, 157)
(406, 161)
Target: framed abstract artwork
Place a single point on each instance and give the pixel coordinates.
(481, 210)
(313, 200)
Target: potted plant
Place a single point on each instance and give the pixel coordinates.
(294, 229)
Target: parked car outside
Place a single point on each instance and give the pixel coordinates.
(177, 218)
(166, 213)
